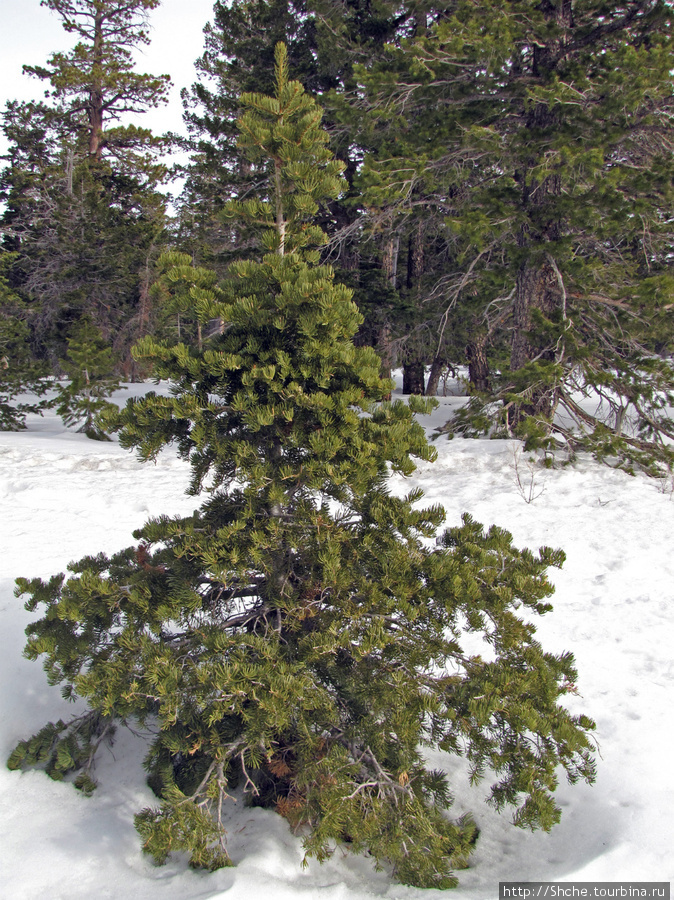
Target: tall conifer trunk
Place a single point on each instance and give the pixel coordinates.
(413, 378)
(96, 93)
(434, 376)
(384, 336)
(537, 286)
(478, 364)
(413, 367)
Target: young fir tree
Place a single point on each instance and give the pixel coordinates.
(296, 635)
(90, 367)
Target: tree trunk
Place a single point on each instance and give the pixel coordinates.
(415, 256)
(478, 366)
(434, 376)
(390, 261)
(385, 350)
(96, 94)
(70, 171)
(538, 282)
(527, 297)
(143, 319)
(349, 257)
(414, 366)
(413, 378)
(537, 288)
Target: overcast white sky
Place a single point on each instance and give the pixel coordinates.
(30, 33)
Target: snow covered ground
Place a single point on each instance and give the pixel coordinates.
(63, 496)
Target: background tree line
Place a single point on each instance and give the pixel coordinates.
(507, 213)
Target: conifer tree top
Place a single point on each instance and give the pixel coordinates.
(285, 130)
(95, 84)
(277, 397)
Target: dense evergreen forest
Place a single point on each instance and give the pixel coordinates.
(506, 211)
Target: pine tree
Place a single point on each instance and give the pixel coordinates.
(83, 213)
(90, 367)
(173, 295)
(296, 635)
